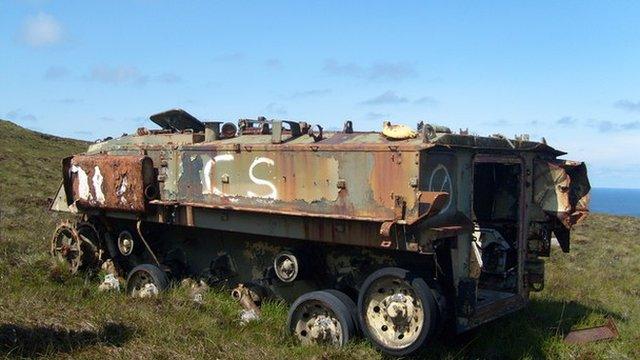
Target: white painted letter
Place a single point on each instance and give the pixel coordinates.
(83, 182)
(97, 185)
(207, 188)
(274, 191)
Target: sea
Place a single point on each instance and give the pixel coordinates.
(615, 201)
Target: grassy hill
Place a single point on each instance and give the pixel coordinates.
(42, 317)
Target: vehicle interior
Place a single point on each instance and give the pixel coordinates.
(496, 213)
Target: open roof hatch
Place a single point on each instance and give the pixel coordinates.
(177, 119)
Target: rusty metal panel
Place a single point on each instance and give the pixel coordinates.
(109, 182)
(328, 230)
(59, 202)
(597, 333)
(561, 188)
(341, 184)
(494, 309)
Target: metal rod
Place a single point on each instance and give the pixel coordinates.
(138, 226)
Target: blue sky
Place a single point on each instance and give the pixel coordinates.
(568, 71)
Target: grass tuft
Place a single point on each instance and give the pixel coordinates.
(59, 271)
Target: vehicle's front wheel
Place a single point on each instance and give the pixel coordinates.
(396, 311)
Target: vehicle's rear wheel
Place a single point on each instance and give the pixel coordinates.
(322, 317)
(146, 280)
(396, 311)
(66, 246)
(90, 244)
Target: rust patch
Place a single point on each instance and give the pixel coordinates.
(108, 182)
(561, 188)
(390, 179)
(597, 333)
(261, 176)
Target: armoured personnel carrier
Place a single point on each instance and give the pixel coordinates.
(396, 234)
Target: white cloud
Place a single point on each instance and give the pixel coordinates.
(56, 73)
(273, 63)
(20, 116)
(426, 100)
(380, 71)
(376, 115)
(117, 75)
(628, 105)
(41, 30)
(389, 97)
(127, 74)
(310, 93)
(275, 109)
(229, 57)
(168, 78)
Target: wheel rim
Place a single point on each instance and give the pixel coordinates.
(315, 323)
(286, 267)
(125, 243)
(66, 247)
(394, 314)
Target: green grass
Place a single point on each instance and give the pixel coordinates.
(47, 317)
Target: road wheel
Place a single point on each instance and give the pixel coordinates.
(90, 245)
(322, 317)
(349, 303)
(66, 246)
(146, 280)
(396, 311)
(119, 245)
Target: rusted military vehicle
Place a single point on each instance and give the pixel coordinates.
(396, 237)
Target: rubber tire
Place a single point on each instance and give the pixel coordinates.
(349, 303)
(159, 277)
(421, 289)
(335, 303)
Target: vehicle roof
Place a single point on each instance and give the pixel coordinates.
(178, 130)
(366, 141)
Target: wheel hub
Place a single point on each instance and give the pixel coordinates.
(394, 315)
(316, 324)
(286, 267)
(125, 243)
(322, 329)
(66, 246)
(399, 308)
(65, 250)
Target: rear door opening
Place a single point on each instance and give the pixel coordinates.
(497, 212)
